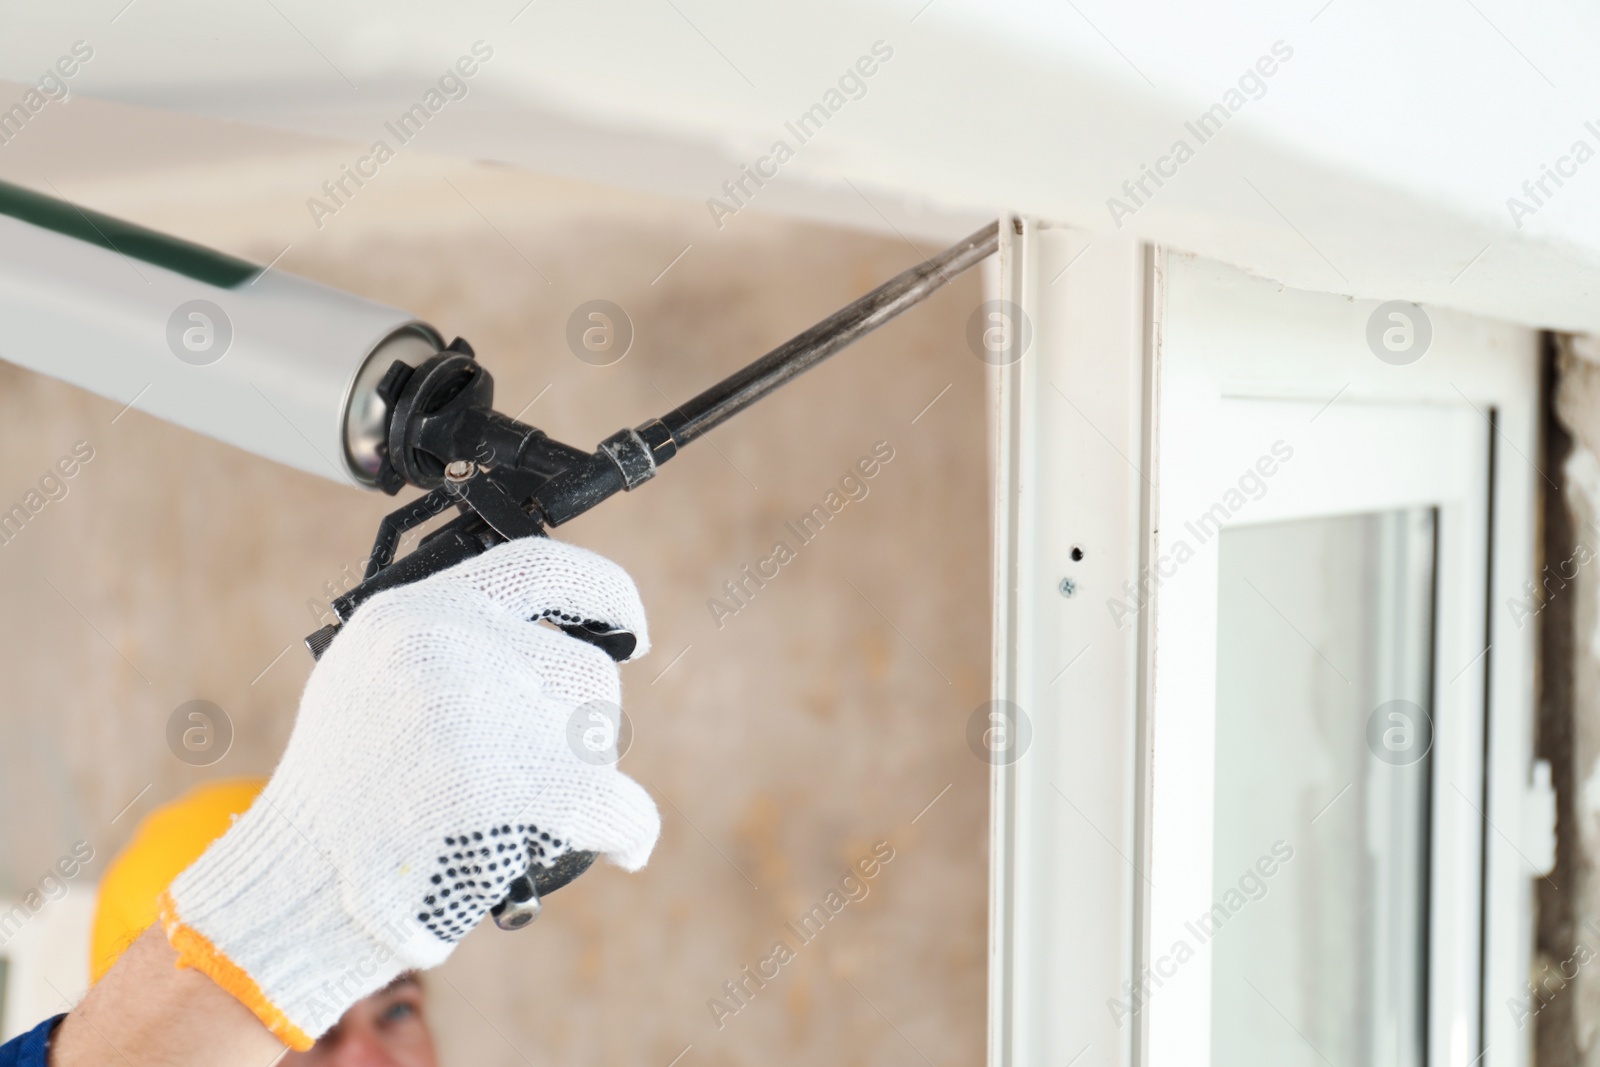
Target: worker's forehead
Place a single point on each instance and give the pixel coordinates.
(408, 980)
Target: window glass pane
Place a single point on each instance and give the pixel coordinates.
(1319, 932)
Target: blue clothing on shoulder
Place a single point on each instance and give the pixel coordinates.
(32, 1048)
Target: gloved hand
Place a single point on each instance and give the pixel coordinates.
(429, 765)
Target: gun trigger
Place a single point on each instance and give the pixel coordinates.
(616, 643)
(485, 495)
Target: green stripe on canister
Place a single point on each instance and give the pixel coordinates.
(175, 254)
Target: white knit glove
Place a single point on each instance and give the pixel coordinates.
(430, 763)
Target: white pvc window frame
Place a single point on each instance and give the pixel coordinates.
(1118, 409)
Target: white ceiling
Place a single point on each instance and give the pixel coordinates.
(1377, 161)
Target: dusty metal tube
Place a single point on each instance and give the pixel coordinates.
(800, 353)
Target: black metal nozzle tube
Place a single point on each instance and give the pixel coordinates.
(799, 354)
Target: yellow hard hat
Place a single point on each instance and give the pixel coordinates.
(166, 841)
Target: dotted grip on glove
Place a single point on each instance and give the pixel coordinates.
(480, 870)
(475, 869)
(475, 875)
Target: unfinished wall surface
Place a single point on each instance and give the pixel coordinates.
(784, 737)
(1563, 1000)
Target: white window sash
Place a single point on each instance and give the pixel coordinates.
(1088, 437)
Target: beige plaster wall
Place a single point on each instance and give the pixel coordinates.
(781, 746)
